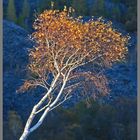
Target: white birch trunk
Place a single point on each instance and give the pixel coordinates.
(24, 136)
(27, 129)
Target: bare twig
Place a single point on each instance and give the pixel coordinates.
(60, 103)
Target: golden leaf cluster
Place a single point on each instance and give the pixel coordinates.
(26, 86)
(56, 33)
(67, 41)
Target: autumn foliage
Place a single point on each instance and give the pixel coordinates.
(63, 44)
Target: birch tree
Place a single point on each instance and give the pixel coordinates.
(64, 44)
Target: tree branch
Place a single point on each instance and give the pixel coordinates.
(60, 103)
(44, 107)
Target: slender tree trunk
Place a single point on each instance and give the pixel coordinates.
(24, 135)
(27, 129)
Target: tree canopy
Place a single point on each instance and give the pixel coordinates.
(63, 44)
